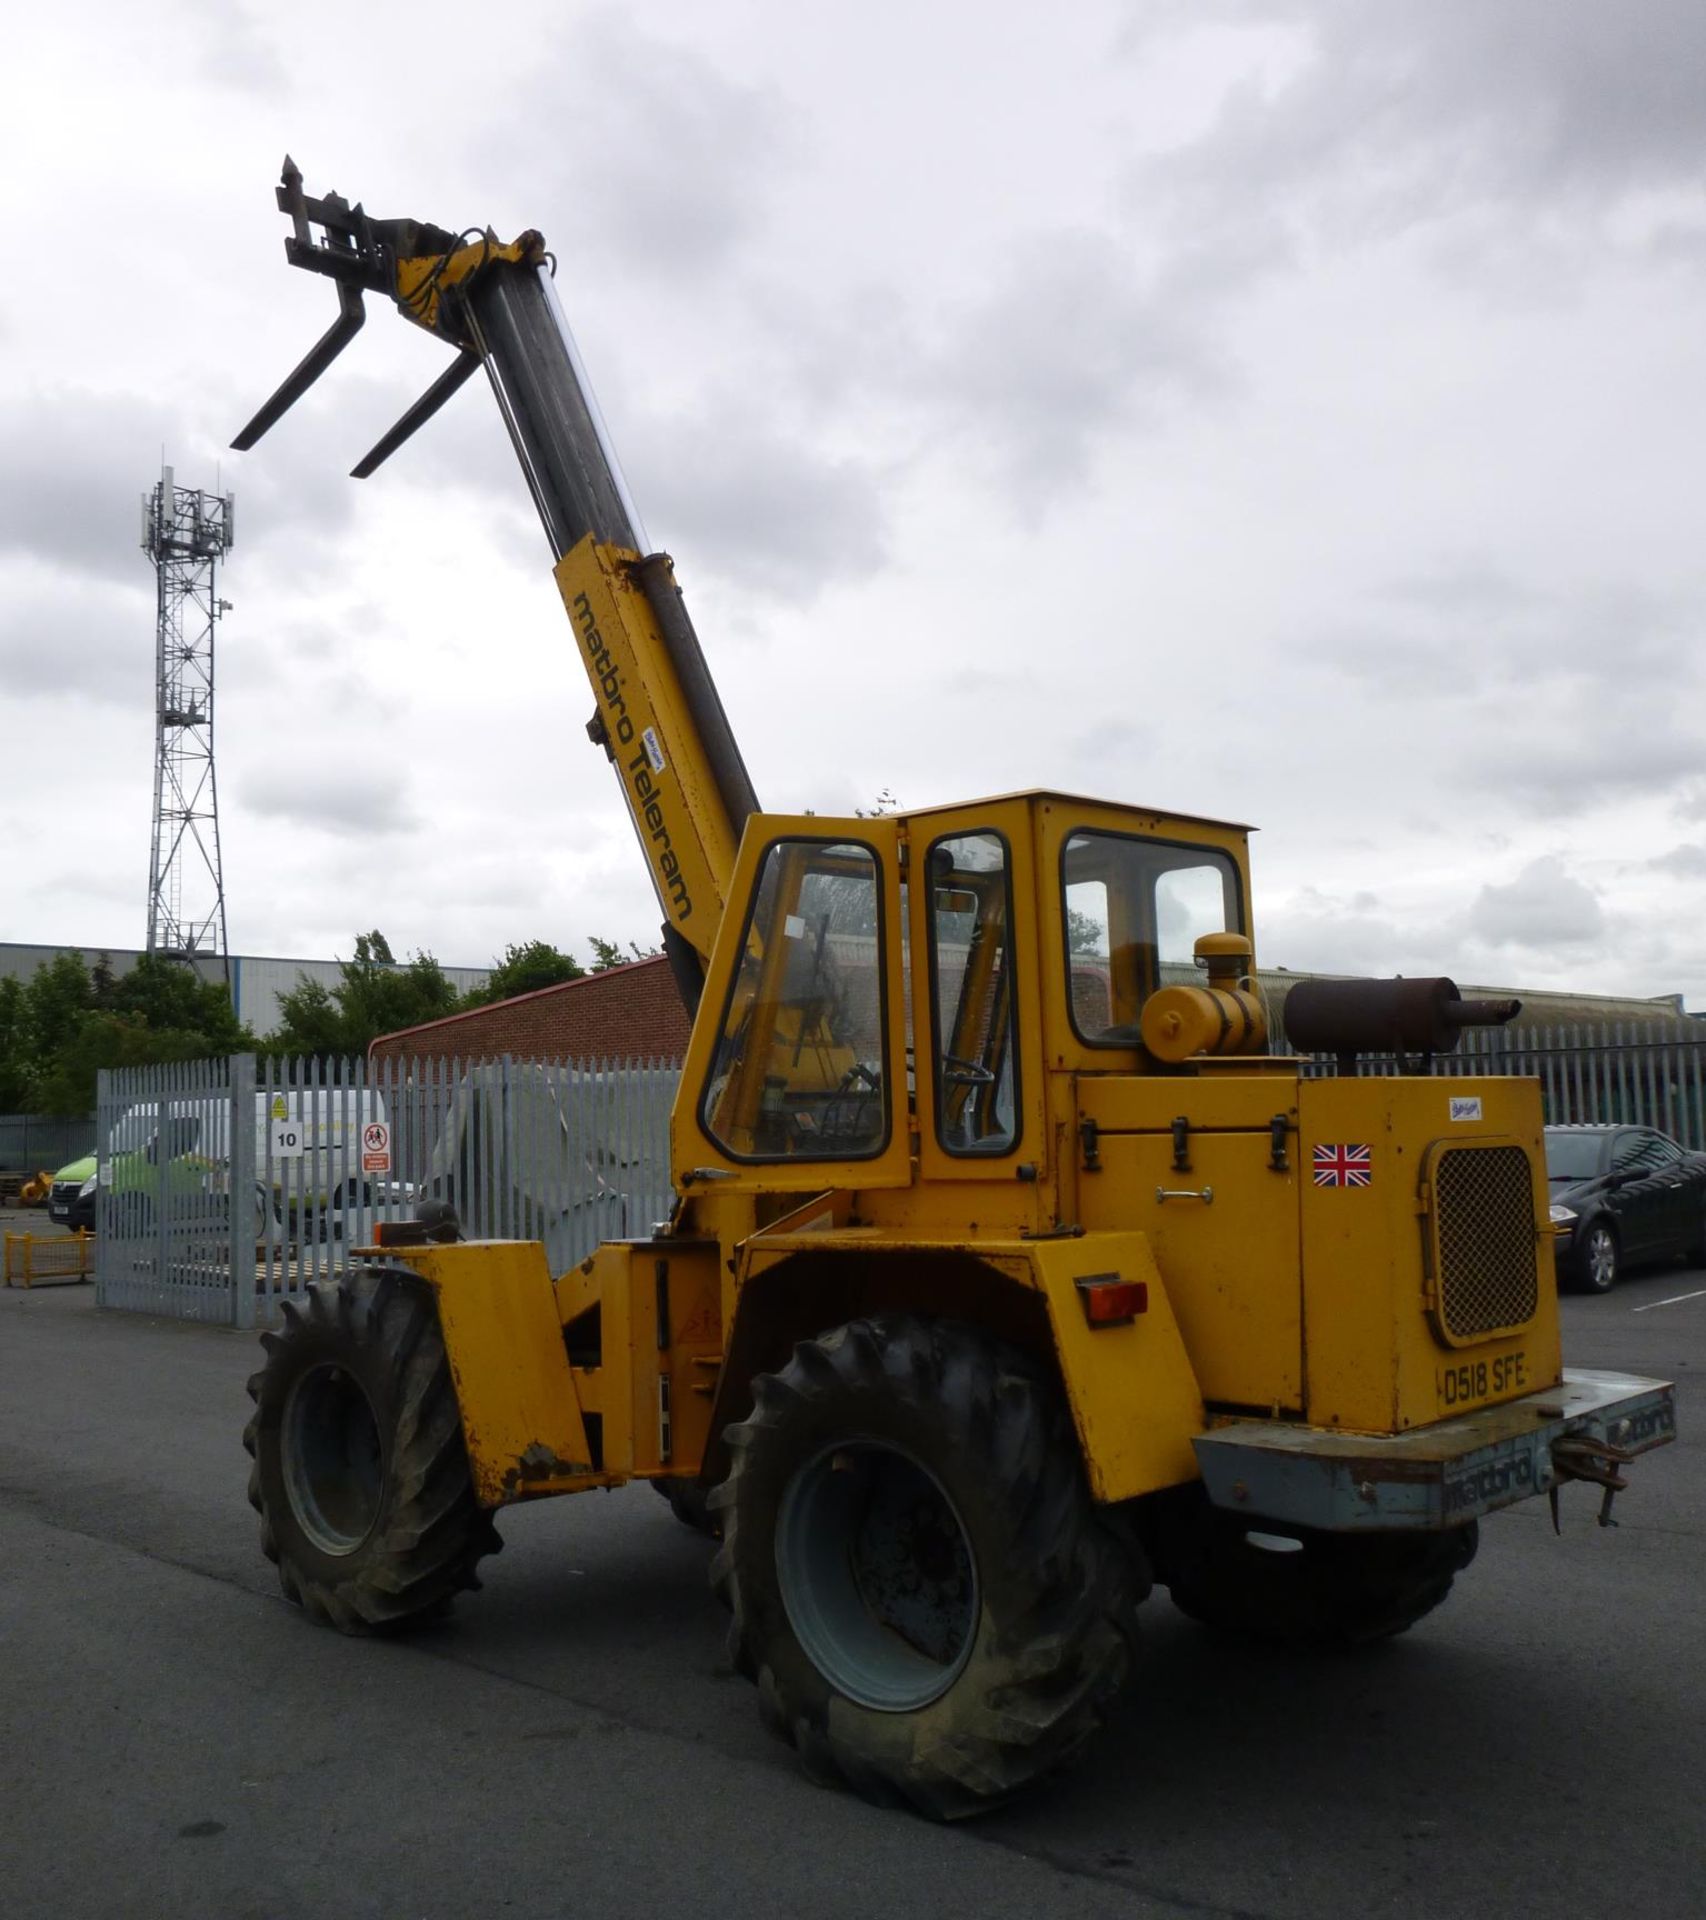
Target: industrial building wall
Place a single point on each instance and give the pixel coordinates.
(257, 981)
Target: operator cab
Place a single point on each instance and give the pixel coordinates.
(901, 986)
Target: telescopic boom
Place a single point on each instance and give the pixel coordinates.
(659, 715)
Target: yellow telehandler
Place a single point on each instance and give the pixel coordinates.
(1011, 1272)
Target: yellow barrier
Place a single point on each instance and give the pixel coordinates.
(48, 1259)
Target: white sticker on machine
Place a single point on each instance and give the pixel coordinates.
(654, 753)
(1465, 1106)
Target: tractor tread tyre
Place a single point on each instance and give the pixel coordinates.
(1057, 1587)
(1339, 1591)
(379, 1328)
(690, 1502)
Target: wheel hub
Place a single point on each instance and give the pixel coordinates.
(877, 1574)
(334, 1460)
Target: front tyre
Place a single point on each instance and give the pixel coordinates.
(931, 1604)
(1596, 1258)
(360, 1474)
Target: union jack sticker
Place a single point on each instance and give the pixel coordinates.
(1343, 1166)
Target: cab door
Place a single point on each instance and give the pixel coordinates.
(796, 1072)
(976, 1045)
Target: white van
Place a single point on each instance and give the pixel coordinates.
(308, 1150)
(307, 1166)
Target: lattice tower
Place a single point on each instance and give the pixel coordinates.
(186, 534)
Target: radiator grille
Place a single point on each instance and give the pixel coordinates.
(1485, 1241)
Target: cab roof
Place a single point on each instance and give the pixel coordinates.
(1079, 800)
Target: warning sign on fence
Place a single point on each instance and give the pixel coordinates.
(376, 1147)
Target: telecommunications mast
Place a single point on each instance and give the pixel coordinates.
(186, 534)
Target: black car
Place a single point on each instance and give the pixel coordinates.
(1622, 1196)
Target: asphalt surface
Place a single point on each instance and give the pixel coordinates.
(176, 1739)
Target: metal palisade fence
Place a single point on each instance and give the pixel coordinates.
(228, 1186)
(31, 1143)
(1636, 1073)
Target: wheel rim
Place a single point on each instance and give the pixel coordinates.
(1602, 1258)
(877, 1575)
(333, 1459)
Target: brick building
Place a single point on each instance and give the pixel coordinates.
(625, 1013)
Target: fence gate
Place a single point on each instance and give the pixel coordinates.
(172, 1156)
(229, 1186)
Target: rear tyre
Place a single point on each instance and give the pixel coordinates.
(932, 1607)
(1300, 1587)
(1595, 1264)
(360, 1475)
(689, 1501)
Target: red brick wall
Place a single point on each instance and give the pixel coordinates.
(628, 1013)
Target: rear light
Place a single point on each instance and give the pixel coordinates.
(1110, 1301)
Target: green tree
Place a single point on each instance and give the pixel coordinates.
(58, 1030)
(608, 953)
(164, 996)
(375, 995)
(17, 1078)
(525, 969)
(68, 1083)
(1085, 933)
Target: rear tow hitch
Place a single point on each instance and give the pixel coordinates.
(1579, 1456)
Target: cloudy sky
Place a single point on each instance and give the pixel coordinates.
(1285, 410)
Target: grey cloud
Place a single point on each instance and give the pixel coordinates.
(1628, 742)
(81, 461)
(1313, 930)
(1544, 907)
(1687, 861)
(79, 640)
(1111, 745)
(351, 800)
(1594, 688)
(1472, 587)
(1074, 340)
(670, 157)
(77, 466)
(235, 51)
(1407, 110)
(749, 501)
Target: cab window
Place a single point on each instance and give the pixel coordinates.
(1134, 910)
(798, 1068)
(971, 994)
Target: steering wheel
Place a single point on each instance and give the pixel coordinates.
(965, 1073)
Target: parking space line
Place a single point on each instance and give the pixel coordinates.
(1675, 1300)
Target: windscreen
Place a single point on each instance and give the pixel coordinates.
(1573, 1156)
(798, 1070)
